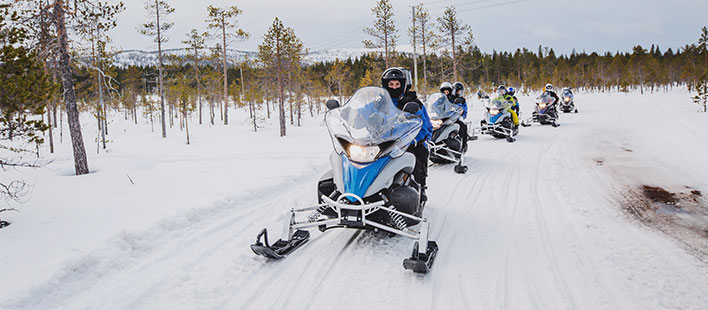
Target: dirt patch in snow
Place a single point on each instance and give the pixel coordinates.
(658, 194)
(681, 214)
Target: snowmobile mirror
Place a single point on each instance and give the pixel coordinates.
(458, 100)
(332, 104)
(411, 107)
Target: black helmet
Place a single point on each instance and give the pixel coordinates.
(398, 74)
(458, 87)
(501, 90)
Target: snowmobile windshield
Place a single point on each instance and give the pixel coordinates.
(371, 118)
(544, 98)
(567, 93)
(498, 103)
(439, 107)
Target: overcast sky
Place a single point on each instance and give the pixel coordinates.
(502, 25)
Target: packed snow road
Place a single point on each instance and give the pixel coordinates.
(534, 224)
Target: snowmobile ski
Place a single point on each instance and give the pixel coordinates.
(280, 248)
(421, 262)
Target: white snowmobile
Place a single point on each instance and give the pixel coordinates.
(545, 112)
(370, 185)
(446, 144)
(498, 121)
(567, 103)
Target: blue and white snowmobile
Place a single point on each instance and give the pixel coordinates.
(446, 143)
(567, 102)
(370, 185)
(545, 112)
(498, 121)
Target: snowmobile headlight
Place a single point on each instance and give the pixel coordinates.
(493, 111)
(363, 154)
(436, 123)
(567, 99)
(542, 105)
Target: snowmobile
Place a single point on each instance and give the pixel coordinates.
(498, 122)
(446, 144)
(567, 104)
(370, 184)
(545, 112)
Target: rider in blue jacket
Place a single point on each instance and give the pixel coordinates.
(397, 81)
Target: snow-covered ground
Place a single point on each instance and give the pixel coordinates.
(535, 224)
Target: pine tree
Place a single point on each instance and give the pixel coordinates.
(223, 20)
(702, 87)
(24, 90)
(384, 30)
(80, 10)
(94, 28)
(424, 36)
(337, 76)
(453, 28)
(158, 9)
(196, 43)
(281, 51)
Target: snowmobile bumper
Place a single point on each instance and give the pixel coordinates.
(496, 129)
(347, 216)
(439, 150)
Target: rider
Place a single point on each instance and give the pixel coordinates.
(548, 89)
(397, 81)
(458, 92)
(503, 93)
(511, 92)
(446, 88)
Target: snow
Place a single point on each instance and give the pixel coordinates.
(535, 224)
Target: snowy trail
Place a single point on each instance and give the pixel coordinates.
(534, 224)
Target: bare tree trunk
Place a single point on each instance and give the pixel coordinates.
(226, 95)
(77, 140)
(290, 97)
(159, 70)
(454, 59)
(425, 70)
(199, 84)
(49, 118)
(135, 112)
(255, 127)
(385, 49)
(51, 132)
(309, 102)
(280, 90)
(212, 113)
(186, 124)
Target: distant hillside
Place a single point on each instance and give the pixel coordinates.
(149, 58)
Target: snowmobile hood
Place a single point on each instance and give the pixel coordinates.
(358, 177)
